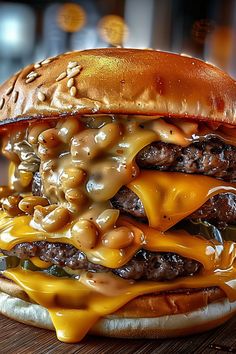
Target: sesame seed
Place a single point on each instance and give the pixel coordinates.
(41, 96)
(15, 96)
(46, 61)
(2, 103)
(31, 76)
(72, 64)
(73, 91)
(75, 71)
(30, 79)
(70, 82)
(37, 65)
(9, 90)
(32, 73)
(61, 76)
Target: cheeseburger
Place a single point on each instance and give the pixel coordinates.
(119, 214)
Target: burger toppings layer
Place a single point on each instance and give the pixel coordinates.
(115, 207)
(144, 265)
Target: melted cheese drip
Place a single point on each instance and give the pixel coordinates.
(83, 302)
(17, 230)
(169, 197)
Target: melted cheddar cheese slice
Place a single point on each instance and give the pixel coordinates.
(169, 197)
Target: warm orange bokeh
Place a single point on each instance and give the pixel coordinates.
(71, 17)
(113, 29)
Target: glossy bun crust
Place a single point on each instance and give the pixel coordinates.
(149, 316)
(116, 80)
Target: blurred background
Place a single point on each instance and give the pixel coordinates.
(33, 30)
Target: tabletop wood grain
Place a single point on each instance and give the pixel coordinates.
(16, 338)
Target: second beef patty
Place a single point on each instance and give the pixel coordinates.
(146, 265)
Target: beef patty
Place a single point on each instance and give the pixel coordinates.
(210, 157)
(158, 266)
(220, 208)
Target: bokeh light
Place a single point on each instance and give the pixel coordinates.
(220, 47)
(113, 29)
(33, 30)
(71, 17)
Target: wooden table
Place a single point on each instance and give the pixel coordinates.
(16, 338)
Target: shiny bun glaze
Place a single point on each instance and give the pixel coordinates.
(116, 80)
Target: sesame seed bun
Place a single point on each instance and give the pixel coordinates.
(164, 315)
(116, 80)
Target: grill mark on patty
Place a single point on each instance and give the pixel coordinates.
(146, 265)
(220, 208)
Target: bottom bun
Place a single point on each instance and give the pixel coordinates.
(196, 321)
(25, 312)
(201, 320)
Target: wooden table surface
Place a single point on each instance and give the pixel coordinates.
(16, 338)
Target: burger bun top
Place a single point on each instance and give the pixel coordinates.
(119, 81)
